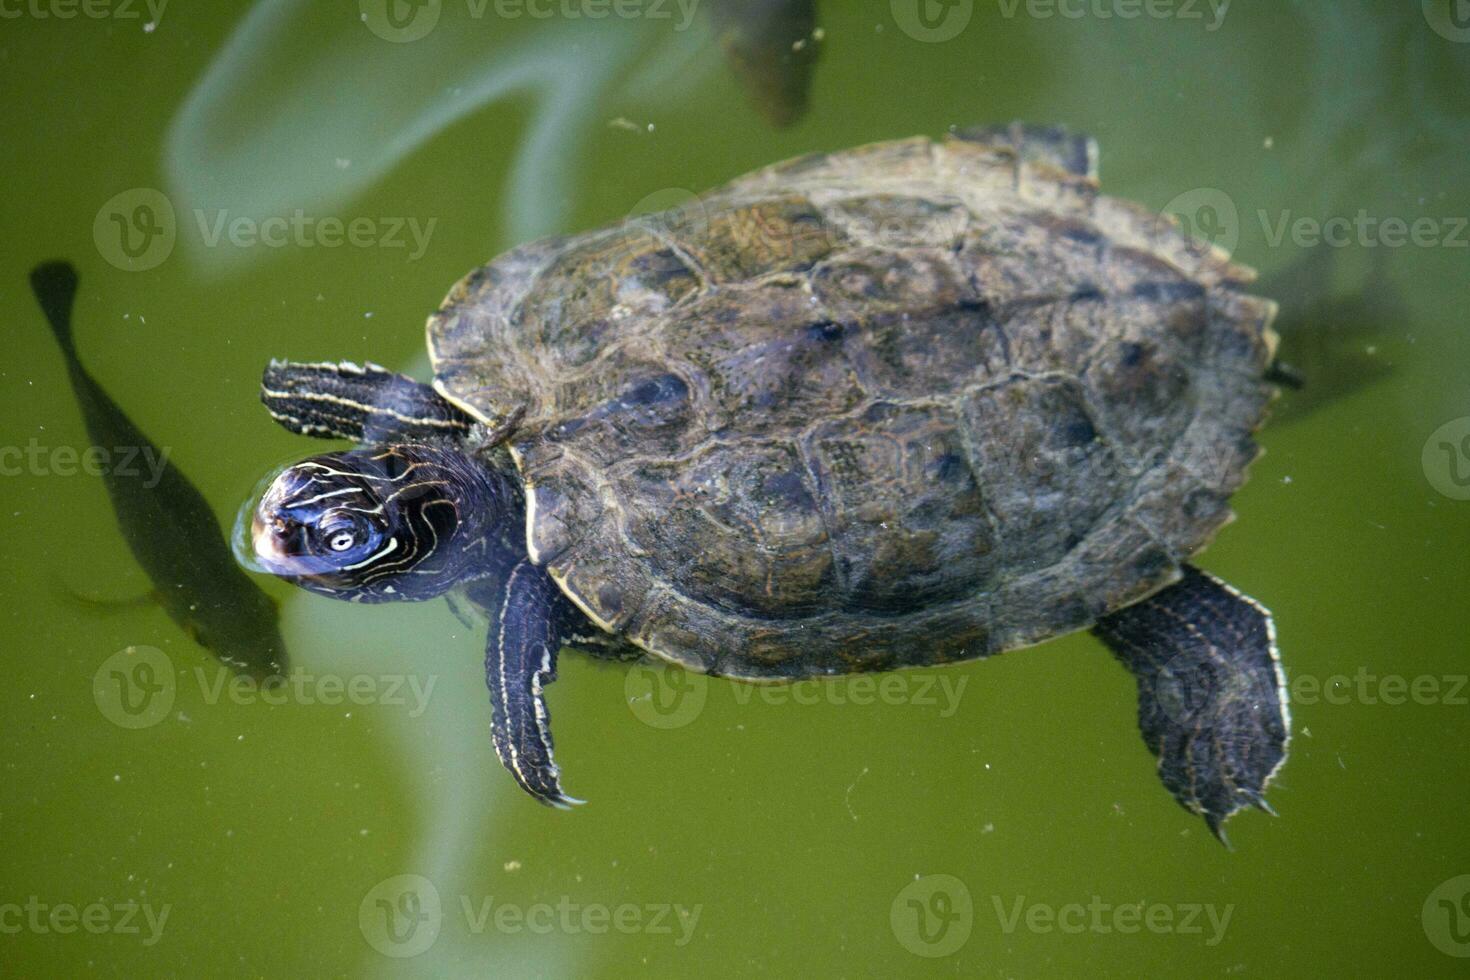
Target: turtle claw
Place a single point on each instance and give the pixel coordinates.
(563, 802)
(1259, 802)
(542, 782)
(1216, 823)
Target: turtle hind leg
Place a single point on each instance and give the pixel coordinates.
(1211, 694)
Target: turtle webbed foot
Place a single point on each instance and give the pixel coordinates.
(1211, 700)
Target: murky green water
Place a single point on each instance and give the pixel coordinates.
(729, 832)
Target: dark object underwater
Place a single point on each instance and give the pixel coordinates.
(167, 523)
(771, 48)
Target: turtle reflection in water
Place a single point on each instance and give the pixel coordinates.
(909, 404)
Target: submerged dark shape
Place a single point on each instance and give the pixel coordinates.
(167, 523)
(771, 47)
(907, 404)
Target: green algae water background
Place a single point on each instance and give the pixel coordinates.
(238, 182)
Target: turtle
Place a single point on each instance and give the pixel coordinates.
(904, 405)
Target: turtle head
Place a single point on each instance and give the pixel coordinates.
(373, 525)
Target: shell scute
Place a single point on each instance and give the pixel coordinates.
(729, 517)
(736, 241)
(767, 354)
(593, 287)
(1049, 471)
(923, 534)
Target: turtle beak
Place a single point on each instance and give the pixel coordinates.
(271, 545)
(276, 548)
(268, 542)
(271, 540)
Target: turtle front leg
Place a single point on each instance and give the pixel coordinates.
(362, 402)
(1211, 694)
(530, 620)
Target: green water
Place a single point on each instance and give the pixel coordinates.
(727, 833)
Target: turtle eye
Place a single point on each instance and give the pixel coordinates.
(341, 532)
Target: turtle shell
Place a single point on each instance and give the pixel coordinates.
(904, 404)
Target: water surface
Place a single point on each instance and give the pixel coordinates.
(728, 833)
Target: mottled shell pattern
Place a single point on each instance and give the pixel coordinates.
(904, 404)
